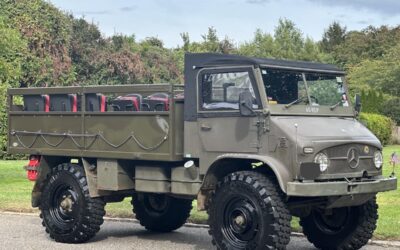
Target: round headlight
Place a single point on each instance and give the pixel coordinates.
(378, 159)
(322, 160)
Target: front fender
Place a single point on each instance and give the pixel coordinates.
(281, 172)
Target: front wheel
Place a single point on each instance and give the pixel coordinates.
(68, 212)
(341, 228)
(248, 211)
(160, 212)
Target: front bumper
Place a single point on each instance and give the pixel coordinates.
(337, 188)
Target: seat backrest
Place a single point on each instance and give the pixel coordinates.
(139, 99)
(126, 103)
(158, 102)
(158, 95)
(36, 103)
(64, 102)
(96, 102)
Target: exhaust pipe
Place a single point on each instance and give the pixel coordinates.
(191, 169)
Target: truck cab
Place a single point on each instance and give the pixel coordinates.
(295, 117)
(293, 122)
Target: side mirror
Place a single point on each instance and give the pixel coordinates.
(357, 103)
(246, 103)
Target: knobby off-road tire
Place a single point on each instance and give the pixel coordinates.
(160, 212)
(67, 211)
(247, 211)
(345, 228)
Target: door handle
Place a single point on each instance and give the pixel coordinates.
(205, 127)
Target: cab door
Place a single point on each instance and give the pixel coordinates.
(220, 124)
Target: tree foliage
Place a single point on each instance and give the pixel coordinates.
(287, 42)
(368, 44)
(47, 32)
(288, 39)
(210, 43)
(381, 74)
(334, 36)
(12, 48)
(371, 101)
(391, 108)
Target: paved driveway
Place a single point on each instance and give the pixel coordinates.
(26, 232)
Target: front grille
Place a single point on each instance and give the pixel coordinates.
(341, 160)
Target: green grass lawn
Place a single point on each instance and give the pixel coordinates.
(389, 202)
(15, 192)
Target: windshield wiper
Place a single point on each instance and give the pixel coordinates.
(295, 102)
(336, 105)
(300, 99)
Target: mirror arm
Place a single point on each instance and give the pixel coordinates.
(357, 105)
(244, 104)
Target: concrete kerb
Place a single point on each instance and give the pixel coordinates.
(384, 243)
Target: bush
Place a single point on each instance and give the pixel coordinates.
(380, 125)
(391, 108)
(371, 101)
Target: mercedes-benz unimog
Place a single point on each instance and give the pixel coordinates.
(254, 141)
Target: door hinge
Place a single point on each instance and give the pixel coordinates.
(263, 125)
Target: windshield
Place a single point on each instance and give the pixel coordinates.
(296, 87)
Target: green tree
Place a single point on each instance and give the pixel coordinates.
(186, 41)
(380, 74)
(47, 31)
(368, 44)
(12, 53)
(154, 41)
(287, 43)
(332, 37)
(289, 40)
(86, 44)
(311, 51)
(211, 41)
(391, 108)
(262, 45)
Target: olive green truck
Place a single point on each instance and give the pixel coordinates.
(255, 141)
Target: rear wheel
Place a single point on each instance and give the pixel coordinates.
(248, 211)
(341, 228)
(160, 212)
(67, 211)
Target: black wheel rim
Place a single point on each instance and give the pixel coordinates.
(156, 203)
(64, 209)
(240, 222)
(334, 222)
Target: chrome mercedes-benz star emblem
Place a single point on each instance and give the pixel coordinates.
(353, 157)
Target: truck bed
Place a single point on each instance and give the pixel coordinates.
(82, 131)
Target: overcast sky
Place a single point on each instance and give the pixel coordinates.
(237, 19)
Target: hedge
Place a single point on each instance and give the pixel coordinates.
(380, 125)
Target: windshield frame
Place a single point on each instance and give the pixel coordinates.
(304, 109)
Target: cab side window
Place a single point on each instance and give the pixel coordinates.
(220, 91)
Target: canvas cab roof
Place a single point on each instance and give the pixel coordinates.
(199, 60)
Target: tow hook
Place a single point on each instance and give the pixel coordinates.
(350, 185)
